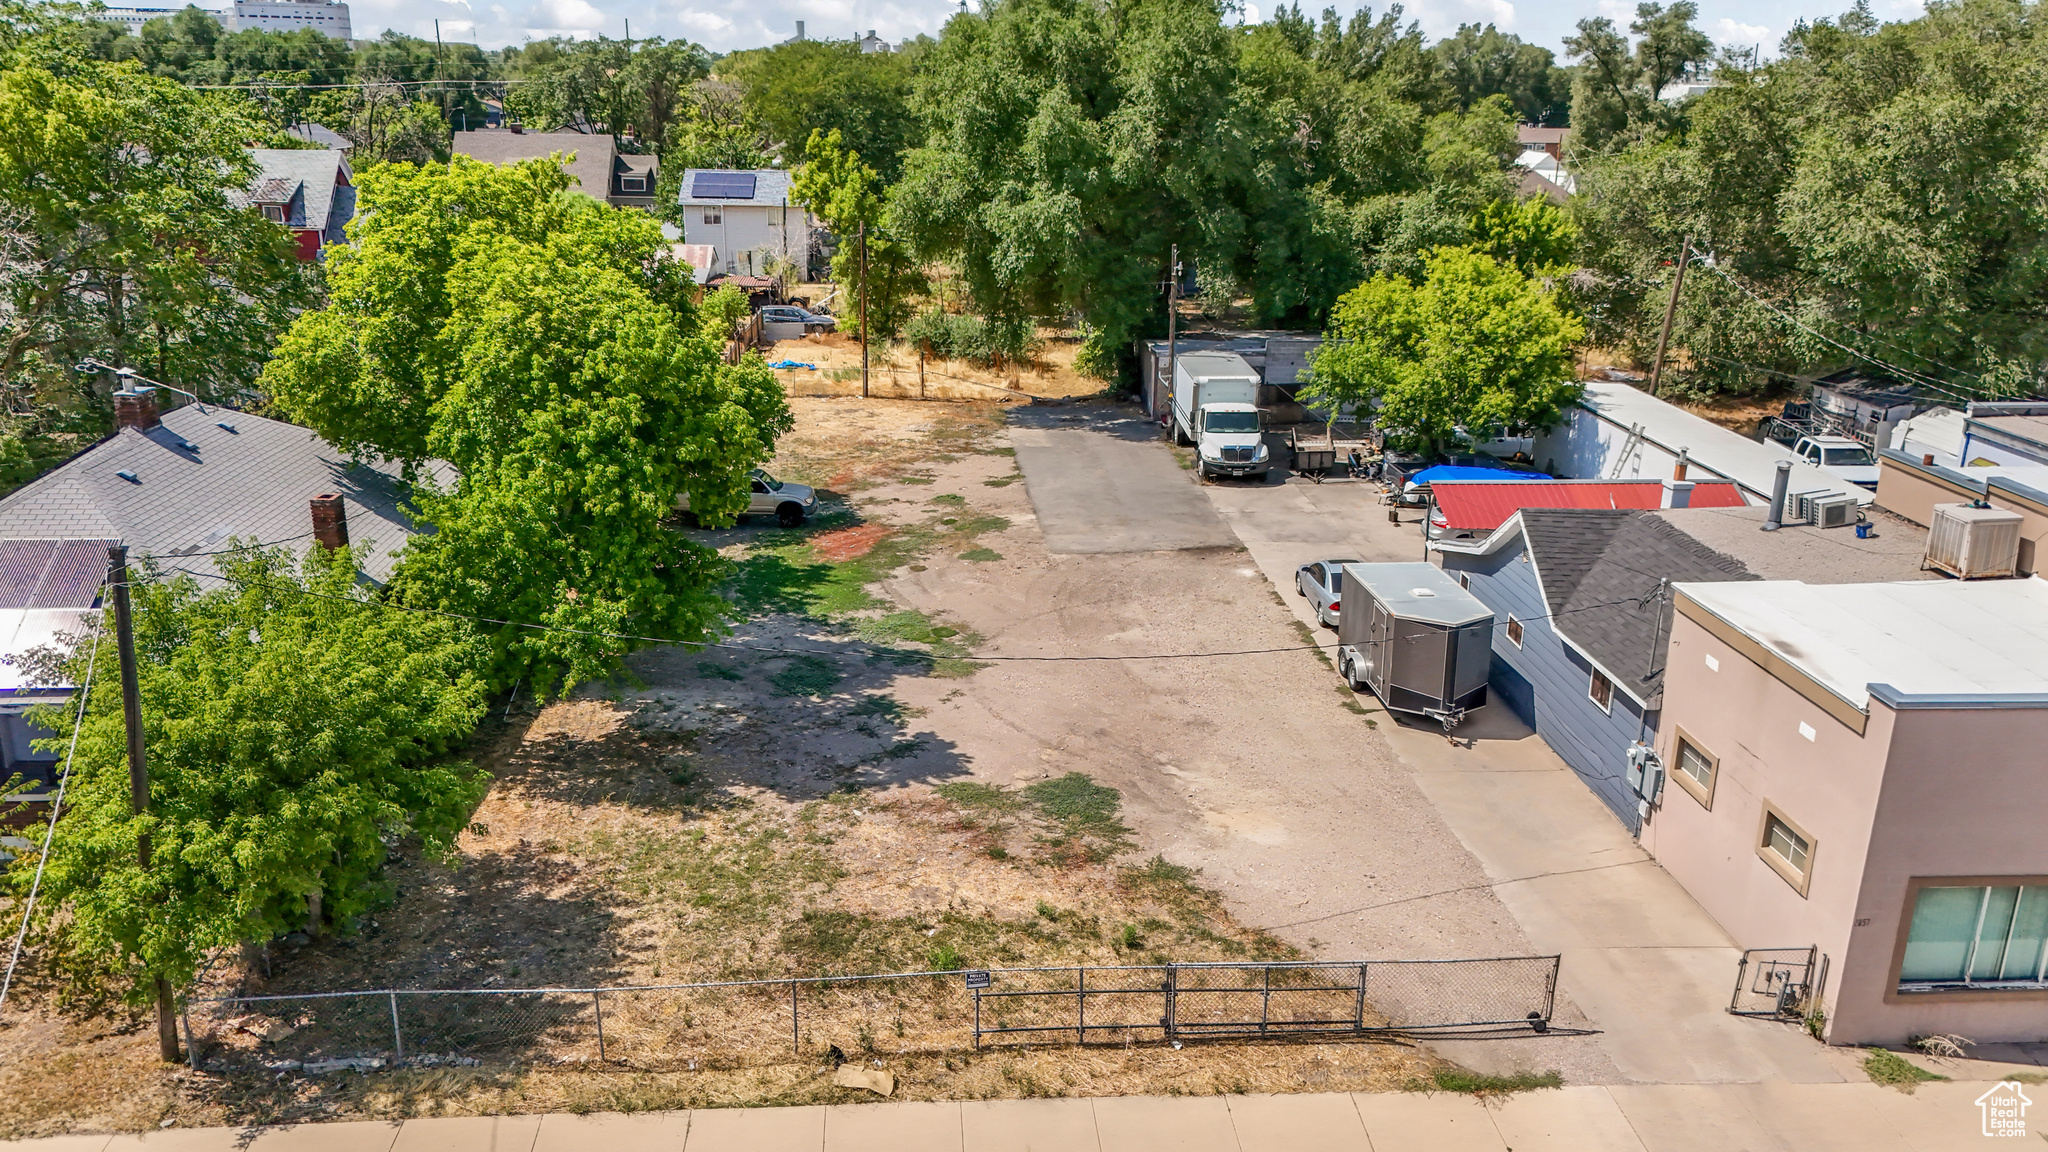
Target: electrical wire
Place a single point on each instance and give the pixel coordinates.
(56, 806)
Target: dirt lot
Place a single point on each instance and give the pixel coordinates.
(893, 371)
(876, 801)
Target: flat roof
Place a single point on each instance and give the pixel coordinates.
(2029, 428)
(1954, 638)
(1893, 551)
(1217, 364)
(1417, 590)
(1711, 448)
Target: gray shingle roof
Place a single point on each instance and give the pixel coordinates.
(253, 482)
(592, 166)
(316, 170)
(771, 188)
(1600, 571)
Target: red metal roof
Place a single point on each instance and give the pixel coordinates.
(1483, 505)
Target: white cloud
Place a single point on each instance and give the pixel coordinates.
(1736, 34)
(704, 25)
(567, 18)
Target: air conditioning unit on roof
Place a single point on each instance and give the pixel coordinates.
(1827, 509)
(1972, 543)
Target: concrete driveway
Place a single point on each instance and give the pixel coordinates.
(1644, 962)
(1100, 482)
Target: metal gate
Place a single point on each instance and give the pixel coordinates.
(1172, 1001)
(1779, 983)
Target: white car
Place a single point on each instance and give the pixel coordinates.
(1841, 456)
(790, 504)
(1322, 582)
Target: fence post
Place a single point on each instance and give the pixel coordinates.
(597, 1004)
(397, 1036)
(796, 1045)
(1081, 1006)
(1172, 988)
(1361, 997)
(191, 1040)
(1265, 997)
(977, 1019)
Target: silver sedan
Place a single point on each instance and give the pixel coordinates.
(1323, 583)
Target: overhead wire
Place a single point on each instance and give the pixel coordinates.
(56, 806)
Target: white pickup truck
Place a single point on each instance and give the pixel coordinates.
(1215, 408)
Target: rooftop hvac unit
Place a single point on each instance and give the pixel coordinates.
(1827, 509)
(1971, 543)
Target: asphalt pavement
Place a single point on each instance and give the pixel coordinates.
(1101, 481)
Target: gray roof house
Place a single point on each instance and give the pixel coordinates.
(179, 486)
(746, 222)
(308, 190)
(601, 171)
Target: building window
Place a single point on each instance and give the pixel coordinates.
(1695, 770)
(634, 184)
(1514, 631)
(1600, 690)
(1464, 581)
(714, 215)
(1976, 936)
(275, 212)
(1787, 848)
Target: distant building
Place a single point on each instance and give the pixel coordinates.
(601, 171)
(266, 15)
(747, 219)
(874, 43)
(308, 190)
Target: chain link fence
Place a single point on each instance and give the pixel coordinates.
(744, 1023)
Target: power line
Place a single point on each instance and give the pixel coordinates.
(56, 805)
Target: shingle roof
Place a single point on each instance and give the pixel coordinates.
(592, 166)
(1566, 543)
(771, 189)
(1802, 552)
(253, 483)
(317, 171)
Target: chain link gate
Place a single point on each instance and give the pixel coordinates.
(1778, 983)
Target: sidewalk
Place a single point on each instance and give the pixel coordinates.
(1635, 1118)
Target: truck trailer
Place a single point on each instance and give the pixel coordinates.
(1414, 638)
(1215, 408)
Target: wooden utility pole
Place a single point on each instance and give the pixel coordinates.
(138, 769)
(1670, 310)
(863, 309)
(1172, 313)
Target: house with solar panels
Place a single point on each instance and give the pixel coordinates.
(747, 222)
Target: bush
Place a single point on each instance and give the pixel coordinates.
(722, 310)
(991, 343)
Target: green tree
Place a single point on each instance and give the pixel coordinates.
(1477, 343)
(1480, 62)
(847, 194)
(543, 345)
(1616, 84)
(793, 90)
(122, 236)
(294, 727)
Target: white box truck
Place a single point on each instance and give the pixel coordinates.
(1215, 408)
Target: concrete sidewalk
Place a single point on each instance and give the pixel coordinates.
(1637, 1118)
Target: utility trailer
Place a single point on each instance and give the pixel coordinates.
(1415, 639)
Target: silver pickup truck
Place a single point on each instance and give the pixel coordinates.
(790, 504)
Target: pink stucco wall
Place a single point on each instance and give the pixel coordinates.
(1827, 786)
(1921, 793)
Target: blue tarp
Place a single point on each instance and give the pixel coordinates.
(1464, 472)
(791, 364)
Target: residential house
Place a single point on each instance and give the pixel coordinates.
(177, 487)
(49, 591)
(310, 191)
(320, 135)
(1541, 162)
(749, 221)
(1468, 509)
(600, 170)
(1858, 767)
(1536, 138)
(1583, 598)
(873, 43)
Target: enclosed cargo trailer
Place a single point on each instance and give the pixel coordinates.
(1415, 639)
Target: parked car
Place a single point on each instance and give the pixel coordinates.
(1840, 455)
(1322, 582)
(791, 314)
(790, 504)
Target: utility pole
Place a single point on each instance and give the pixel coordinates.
(439, 76)
(1670, 310)
(138, 770)
(1172, 314)
(863, 309)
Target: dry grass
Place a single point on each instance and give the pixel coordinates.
(843, 444)
(893, 372)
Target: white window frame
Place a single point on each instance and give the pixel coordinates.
(632, 183)
(714, 214)
(1799, 878)
(1514, 631)
(1597, 678)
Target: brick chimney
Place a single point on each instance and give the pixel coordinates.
(135, 408)
(330, 521)
(1677, 494)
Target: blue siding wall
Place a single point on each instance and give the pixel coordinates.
(1546, 682)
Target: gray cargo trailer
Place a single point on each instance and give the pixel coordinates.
(1417, 640)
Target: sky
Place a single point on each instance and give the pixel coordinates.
(724, 25)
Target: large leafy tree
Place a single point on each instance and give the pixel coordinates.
(793, 90)
(1616, 85)
(1479, 62)
(545, 346)
(840, 189)
(295, 729)
(1476, 343)
(122, 237)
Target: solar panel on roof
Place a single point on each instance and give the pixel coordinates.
(722, 186)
